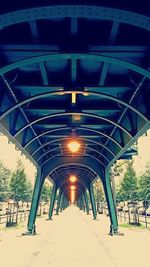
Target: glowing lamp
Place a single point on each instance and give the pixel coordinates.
(72, 187)
(73, 178)
(74, 146)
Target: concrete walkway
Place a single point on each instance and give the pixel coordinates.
(73, 239)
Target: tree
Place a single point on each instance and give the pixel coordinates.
(4, 182)
(46, 192)
(128, 189)
(98, 191)
(144, 184)
(20, 187)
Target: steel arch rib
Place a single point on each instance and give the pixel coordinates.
(73, 113)
(67, 138)
(102, 95)
(76, 56)
(97, 12)
(72, 164)
(69, 128)
(88, 155)
(57, 148)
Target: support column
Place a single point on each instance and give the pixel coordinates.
(86, 202)
(83, 202)
(110, 203)
(52, 202)
(58, 202)
(61, 202)
(91, 192)
(35, 202)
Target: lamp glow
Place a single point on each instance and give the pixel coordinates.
(73, 178)
(74, 146)
(72, 187)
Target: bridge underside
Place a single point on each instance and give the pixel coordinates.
(74, 73)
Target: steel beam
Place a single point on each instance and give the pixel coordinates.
(35, 202)
(110, 203)
(52, 201)
(91, 192)
(76, 11)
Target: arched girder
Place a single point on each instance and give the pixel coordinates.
(57, 148)
(90, 12)
(47, 94)
(75, 56)
(61, 161)
(81, 177)
(79, 182)
(73, 170)
(88, 155)
(55, 115)
(78, 138)
(67, 128)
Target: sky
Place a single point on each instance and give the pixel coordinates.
(9, 156)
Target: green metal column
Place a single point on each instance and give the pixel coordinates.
(35, 202)
(52, 202)
(110, 203)
(61, 202)
(83, 203)
(86, 202)
(58, 202)
(91, 192)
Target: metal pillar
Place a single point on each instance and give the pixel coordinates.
(83, 203)
(52, 202)
(61, 202)
(35, 202)
(58, 202)
(86, 202)
(110, 203)
(91, 192)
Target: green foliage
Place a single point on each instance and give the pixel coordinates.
(144, 184)
(128, 189)
(20, 187)
(4, 182)
(98, 191)
(46, 192)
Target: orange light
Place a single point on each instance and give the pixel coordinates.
(72, 196)
(73, 178)
(72, 187)
(73, 146)
(73, 98)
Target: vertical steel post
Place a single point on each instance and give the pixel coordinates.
(110, 203)
(61, 202)
(52, 202)
(58, 202)
(83, 202)
(35, 202)
(91, 192)
(86, 201)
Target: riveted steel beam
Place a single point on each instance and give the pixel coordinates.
(77, 128)
(76, 11)
(74, 56)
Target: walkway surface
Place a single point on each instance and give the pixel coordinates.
(73, 239)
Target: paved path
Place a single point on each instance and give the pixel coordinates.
(73, 239)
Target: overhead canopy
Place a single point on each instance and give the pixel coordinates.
(74, 72)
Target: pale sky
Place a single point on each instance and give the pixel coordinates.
(9, 156)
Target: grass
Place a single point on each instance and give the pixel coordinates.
(133, 226)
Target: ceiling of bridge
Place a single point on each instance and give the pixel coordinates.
(74, 72)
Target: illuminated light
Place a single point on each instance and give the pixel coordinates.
(72, 197)
(76, 117)
(72, 187)
(73, 178)
(73, 146)
(86, 94)
(73, 98)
